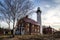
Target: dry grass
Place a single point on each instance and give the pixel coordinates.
(30, 37)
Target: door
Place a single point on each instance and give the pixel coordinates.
(22, 31)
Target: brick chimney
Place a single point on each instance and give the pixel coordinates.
(26, 16)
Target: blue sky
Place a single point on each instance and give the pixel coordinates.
(50, 12)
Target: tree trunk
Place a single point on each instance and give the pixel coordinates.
(9, 24)
(14, 27)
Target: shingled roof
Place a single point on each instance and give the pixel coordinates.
(30, 21)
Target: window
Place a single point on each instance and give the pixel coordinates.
(33, 26)
(38, 30)
(38, 27)
(28, 24)
(35, 30)
(22, 25)
(28, 29)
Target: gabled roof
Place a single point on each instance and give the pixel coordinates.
(30, 21)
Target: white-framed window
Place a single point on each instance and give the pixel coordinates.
(28, 24)
(35, 30)
(33, 26)
(38, 27)
(28, 29)
(22, 25)
(38, 30)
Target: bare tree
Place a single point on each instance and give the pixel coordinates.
(5, 17)
(1, 20)
(15, 9)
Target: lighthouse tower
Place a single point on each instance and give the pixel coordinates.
(39, 18)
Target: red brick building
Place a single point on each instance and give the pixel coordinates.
(27, 26)
(47, 30)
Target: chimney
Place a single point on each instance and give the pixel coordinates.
(26, 16)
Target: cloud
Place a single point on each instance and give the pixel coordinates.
(31, 0)
(52, 17)
(5, 25)
(33, 16)
(48, 6)
(56, 1)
